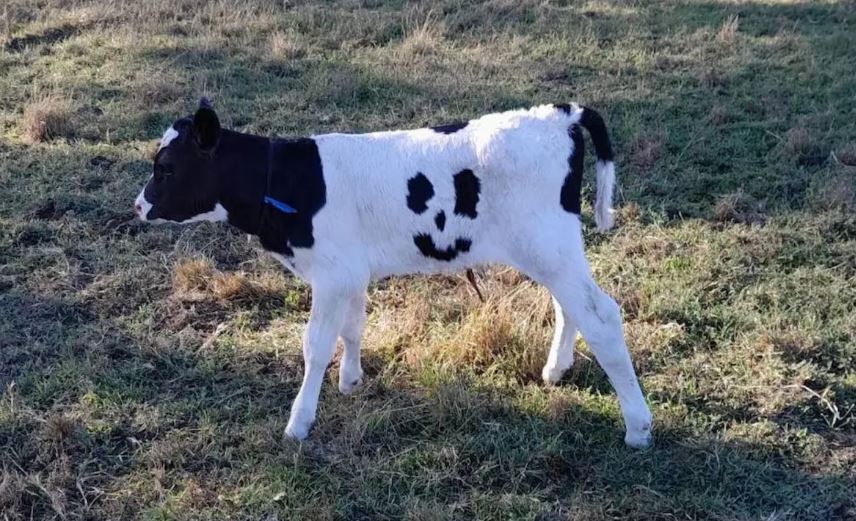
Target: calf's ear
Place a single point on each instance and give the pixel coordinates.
(206, 126)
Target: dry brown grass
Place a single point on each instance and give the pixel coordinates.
(198, 280)
(728, 31)
(422, 38)
(509, 332)
(285, 46)
(739, 207)
(156, 90)
(646, 150)
(47, 118)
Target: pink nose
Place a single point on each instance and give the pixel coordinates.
(137, 208)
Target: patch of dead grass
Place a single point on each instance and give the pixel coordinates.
(739, 207)
(198, 280)
(47, 118)
(156, 90)
(646, 150)
(285, 46)
(421, 39)
(728, 32)
(510, 330)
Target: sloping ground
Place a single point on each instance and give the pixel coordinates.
(147, 371)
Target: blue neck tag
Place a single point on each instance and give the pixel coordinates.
(279, 205)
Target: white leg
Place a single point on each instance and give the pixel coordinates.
(350, 371)
(599, 320)
(329, 305)
(561, 356)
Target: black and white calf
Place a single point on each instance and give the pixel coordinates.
(340, 210)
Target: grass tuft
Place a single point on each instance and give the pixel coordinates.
(740, 207)
(728, 31)
(47, 118)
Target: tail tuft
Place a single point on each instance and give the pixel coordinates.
(603, 213)
(592, 122)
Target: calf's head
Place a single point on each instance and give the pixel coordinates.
(184, 186)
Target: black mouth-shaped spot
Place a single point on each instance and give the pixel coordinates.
(426, 245)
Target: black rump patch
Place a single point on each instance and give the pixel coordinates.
(467, 187)
(440, 220)
(451, 128)
(419, 192)
(570, 195)
(296, 177)
(426, 245)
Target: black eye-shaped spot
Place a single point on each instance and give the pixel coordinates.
(467, 187)
(419, 192)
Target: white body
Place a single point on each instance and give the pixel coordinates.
(365, 232)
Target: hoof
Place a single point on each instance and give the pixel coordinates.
(298, 430)
(347, 388)
(552, 375)
(639, 440)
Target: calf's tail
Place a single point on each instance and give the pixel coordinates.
(605, 168)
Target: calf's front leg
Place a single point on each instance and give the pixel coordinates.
(329, 305)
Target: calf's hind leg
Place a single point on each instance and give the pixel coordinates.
(599, 319)
(561, 356)
(350, 369)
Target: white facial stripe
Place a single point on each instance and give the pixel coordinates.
(168, 136)
(216, 215)
(143, 204)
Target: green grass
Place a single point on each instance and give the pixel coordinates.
(140, 383)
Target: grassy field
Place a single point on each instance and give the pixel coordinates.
(147, 371)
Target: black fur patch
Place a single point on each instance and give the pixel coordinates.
(296, 179)
(570, 195)
(467, 187)
(564, 107)
(426, 245)
(451, 128)
(440, 220)
(419, 192)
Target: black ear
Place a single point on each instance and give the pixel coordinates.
(206, 127)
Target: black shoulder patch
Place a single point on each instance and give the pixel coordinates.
(467, 187)
(570, 195)
(426, 245)
(297, 179)
(440, 220)
(451, 128)
(419, 192)
(564, 107)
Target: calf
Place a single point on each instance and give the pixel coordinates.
(340, 210)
